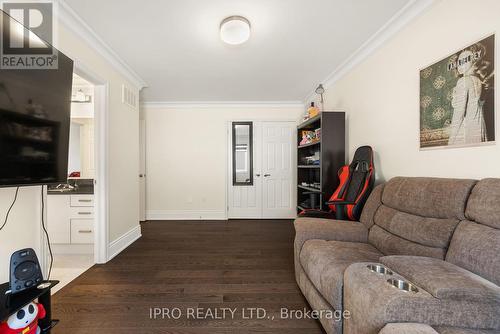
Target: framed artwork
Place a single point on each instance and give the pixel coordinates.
(457, 98)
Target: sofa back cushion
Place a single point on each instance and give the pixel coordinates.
(484, 203)
(371, 206)
(475, 245)
(428, 197)
(417, 216)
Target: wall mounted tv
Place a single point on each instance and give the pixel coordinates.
(35, 110)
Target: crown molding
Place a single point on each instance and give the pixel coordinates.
(77, 25)
(396, 23)
(222, 104)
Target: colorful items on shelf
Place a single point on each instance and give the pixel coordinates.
(309, 137)
(313, 111)
(312, 160)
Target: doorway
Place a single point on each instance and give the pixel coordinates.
(261, 177)
(89, 210)
(70, 205)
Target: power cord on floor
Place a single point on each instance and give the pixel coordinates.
(46, 234)
(10, 209)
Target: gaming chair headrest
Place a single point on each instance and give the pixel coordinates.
(363, 159)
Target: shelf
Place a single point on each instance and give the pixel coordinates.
(310, 144)
(309, 122)
(10, 304)
(316, 190)
(309, 166)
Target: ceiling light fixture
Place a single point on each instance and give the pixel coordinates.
(235, 30)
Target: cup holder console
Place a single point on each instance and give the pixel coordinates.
(379, 269)
(402, 285)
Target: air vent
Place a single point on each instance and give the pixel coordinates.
(129, 97)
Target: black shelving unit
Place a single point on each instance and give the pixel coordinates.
(331, 150)
(10, 304)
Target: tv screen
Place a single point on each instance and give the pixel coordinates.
(35, 110)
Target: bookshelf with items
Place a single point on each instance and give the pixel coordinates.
(320, 153)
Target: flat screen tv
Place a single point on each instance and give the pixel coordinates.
(35, 110)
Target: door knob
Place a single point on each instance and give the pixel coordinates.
(267, 175)
(258, 175)
(141, 175)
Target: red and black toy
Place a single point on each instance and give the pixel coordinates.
(24, 321)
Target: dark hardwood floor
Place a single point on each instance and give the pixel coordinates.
(190, 267)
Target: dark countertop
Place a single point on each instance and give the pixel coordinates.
(81, 187)
(72, 192)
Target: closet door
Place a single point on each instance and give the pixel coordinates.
(245, 180)
(278, 170)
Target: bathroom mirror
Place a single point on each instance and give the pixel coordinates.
(242, 153)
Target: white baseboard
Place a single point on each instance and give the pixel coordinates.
(186, 215)
(119, 245)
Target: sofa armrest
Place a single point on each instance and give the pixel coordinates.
(442, 279)
(373, 303)
(328, 229)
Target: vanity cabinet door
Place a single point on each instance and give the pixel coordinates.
(82, 200)
(82, 231)
(58, 219)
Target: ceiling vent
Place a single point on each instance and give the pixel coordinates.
(129, 97)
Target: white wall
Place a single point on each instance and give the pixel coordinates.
(123, 158)
(381, 95)
(186, 157)
(23, 227)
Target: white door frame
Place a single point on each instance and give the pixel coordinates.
(101, 186)
(229, 175)
(142, 170)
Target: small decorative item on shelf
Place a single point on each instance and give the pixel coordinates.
(305, 117)
(312, 160)
(313, 111)
(317, 132)
(307, 137)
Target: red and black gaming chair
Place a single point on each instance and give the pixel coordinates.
(356, 184)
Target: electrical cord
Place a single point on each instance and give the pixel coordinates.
(46, 235)
(10, 209)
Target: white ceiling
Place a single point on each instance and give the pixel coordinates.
(174, 45)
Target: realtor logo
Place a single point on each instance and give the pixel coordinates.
(27, 35)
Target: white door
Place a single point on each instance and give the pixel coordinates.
(142, 170)
(278, 166)
(270, 194)
(245, 200)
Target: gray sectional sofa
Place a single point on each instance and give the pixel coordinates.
(442, 236)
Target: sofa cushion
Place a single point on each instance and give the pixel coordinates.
(476, 247)
(484, 203)
(428, 197)
(407, 328)
(442, 279)
(327, 229)
(391, 244)
(432, 232)
(324, 262)
(371, 206)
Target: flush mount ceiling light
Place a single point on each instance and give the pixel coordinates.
(235, 30)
